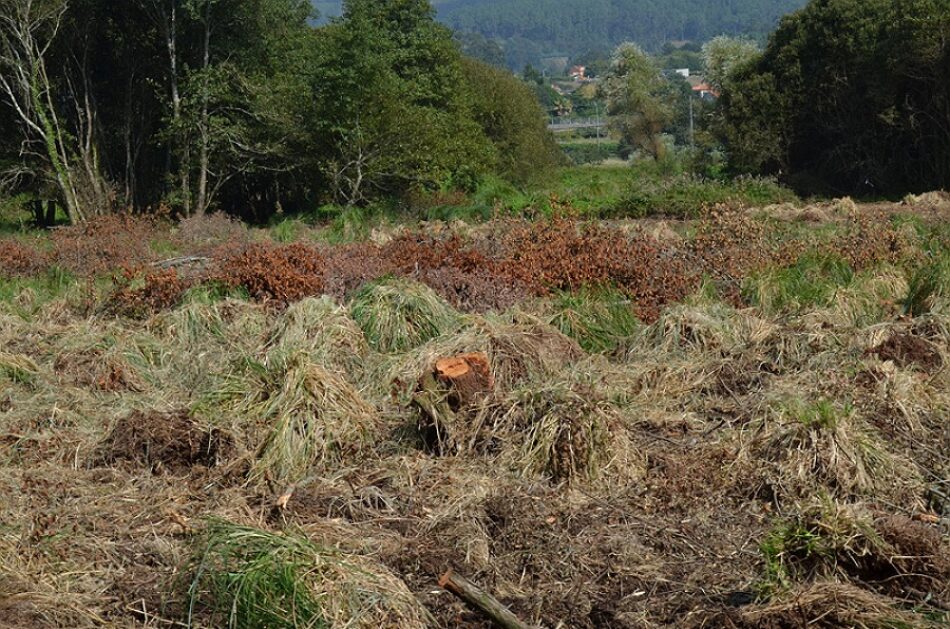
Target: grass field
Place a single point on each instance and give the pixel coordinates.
(722, 418)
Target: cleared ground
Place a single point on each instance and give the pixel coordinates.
(734, 422)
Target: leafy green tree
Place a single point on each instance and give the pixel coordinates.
(54, 115)
(640, 103)
(722, 55)
(851, 93)
(510, 116)
(477, 46)
(532, 75)
(389, 90)
(240, 100)
(755, 123)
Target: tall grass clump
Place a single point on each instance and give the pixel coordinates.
(686, 195)
(18, 368)
(555, 429)
(812, 281)
(26, 296)
(351, 224)
(286, 231)
(824, 446)
(601, 321)
(248, 578)
(822, 540)
(397, 315)
(201, 323)
(929, 287)
(496, 193)
(702, 324)
(323, 330)
(300, 415)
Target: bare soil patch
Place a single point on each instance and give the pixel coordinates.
(165, 442)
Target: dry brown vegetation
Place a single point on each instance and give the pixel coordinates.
(733, 460)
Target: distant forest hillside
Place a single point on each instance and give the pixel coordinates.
(530, 29)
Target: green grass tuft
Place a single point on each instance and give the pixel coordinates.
(26, 295)
(811, 282)
(397, 315)
(686, 195)
(929, 284)
(248, 578)
(601, 321)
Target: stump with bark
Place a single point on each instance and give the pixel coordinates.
(445, 393)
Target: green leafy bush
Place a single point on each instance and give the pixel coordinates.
(687, 195)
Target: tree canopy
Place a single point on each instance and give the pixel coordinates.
(849, 94)
(246, 105)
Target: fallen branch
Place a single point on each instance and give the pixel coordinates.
(482, 601)
(182, 261)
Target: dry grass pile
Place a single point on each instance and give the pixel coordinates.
(18, 368)
(230, 325)
(519, 347)
(867, 298)
(323, 331)
(829, 604)
(891, 554)
(696, 327)
(524, 349)
(302, 416)
(398, 315)
(253, 578)
(555, 430)
(823, 445)
(96, 359)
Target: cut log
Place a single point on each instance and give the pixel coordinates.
(482, 601)
(452, 368)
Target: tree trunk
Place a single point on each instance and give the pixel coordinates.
(26, 87)
(168, 22)
(39, 218)
(56, 148)
(202, 204)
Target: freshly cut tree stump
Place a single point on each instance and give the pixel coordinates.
(445, 392)
(466, 376)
